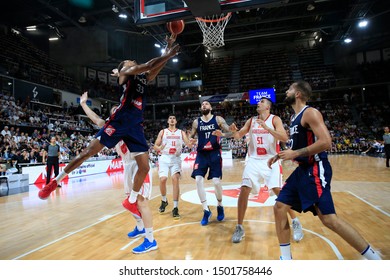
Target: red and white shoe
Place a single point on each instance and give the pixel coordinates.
(132, 207)
(48, 189)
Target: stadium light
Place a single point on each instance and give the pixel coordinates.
(347, 40)
(363, 23)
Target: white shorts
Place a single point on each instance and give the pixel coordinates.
(130, 169)
(168, 163)
(257, 169)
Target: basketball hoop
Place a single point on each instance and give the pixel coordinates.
(213, 28)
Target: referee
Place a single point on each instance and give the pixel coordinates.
(53, 154)
(386, 142)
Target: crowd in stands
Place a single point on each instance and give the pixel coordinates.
(356, 127)
(26, 131)
(17, 144)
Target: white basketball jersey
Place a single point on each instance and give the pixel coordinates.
(173, 141)
(262, 144)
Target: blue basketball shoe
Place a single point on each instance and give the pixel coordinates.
(221, 213)
(206, 217)
(136, 232)
(145, 247)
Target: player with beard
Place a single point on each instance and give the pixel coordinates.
(208, 157)
(308, 187)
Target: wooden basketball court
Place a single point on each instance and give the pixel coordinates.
(84, 220)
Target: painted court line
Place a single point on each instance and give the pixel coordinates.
(102, 219)
(372, 205)
(330, 243)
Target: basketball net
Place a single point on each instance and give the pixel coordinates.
(213, 28)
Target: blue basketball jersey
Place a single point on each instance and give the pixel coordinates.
(126, 123)
(301, 137)
(207, 141)
(134, 96)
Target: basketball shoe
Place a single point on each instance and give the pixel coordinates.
(221, 213)
(163, 205)
(48, 189)
(132, 207)
(206, 217)
(175, 213)
(238, 234)
(297, 230)
(145, 247)
(136, 232)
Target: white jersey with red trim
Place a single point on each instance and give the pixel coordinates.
(173, 141)
(130, 168)
(124, 152)
(262, 145)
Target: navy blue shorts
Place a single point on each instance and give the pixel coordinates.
(307, 186)
(122, 128)
(208, 160)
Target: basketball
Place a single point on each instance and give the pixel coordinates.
(176, 27)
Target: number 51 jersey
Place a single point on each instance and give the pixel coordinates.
(262, 144)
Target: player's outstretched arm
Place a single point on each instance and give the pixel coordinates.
(243, 131)
(225, 129)
(88, 111)
(154, 72)
(150, 67)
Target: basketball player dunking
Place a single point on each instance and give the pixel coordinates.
(126, 124)
(130, 169)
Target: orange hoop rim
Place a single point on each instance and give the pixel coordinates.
(214, 20)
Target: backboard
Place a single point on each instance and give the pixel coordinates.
(149, 12)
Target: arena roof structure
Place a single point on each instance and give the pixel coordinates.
(260, 22)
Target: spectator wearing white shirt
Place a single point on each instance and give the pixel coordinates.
(6, 131)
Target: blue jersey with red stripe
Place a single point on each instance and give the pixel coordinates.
(207, 141)
(126, 123)
(133, 98)
(301, 137)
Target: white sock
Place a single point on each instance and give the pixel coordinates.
(175, 204)
(140, 224)
(285, 251)
(149, 234)
(61, 176)
(199, 187)
(133, 196)
(205, 206)
(218, 189)
(370, 254)
(164, 198)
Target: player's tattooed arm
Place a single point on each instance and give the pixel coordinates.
(193, 131)
(227, 133)
(304, 152)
